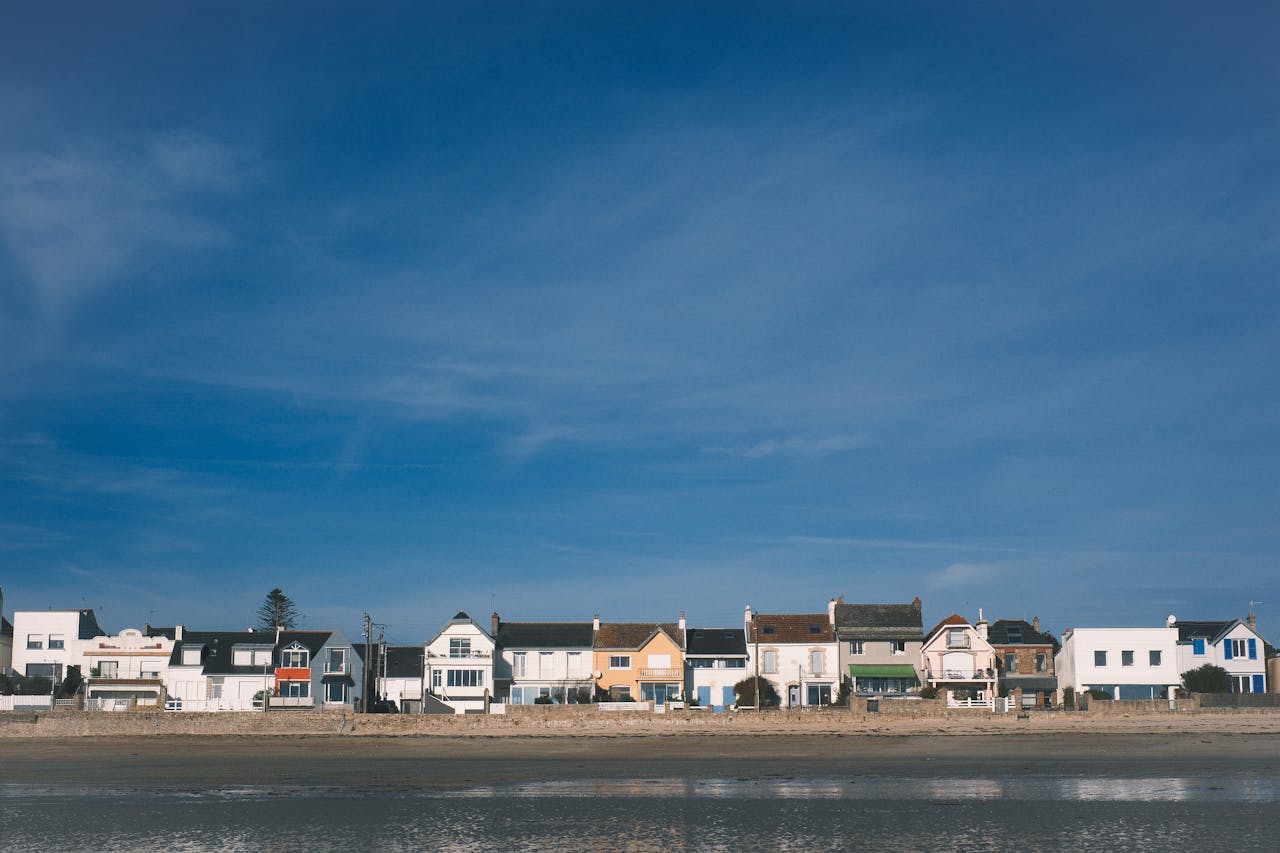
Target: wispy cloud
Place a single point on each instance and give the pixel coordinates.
(959, 575)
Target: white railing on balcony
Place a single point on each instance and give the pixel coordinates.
(665, 672)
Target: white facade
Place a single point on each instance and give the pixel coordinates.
(798, 653)
(557, 674)
(47, 642)
(124, 669)
(459, 665)
(1128, 663)
(1230, 645)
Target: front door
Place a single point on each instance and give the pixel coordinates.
(729, 697)
(793, 695)
(704, 697)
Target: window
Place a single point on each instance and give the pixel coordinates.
(857, 647)
(45, 670)
(149, 670)
(815, 663)
(815, 629)
(956, 639)
(215, 687)
(464, 678)
(770, 662)
(108, 668)
(819, 694)
(768, 630)
(1126, 658)
(1153, 657)
(620, 662)
(335, 691)
(573, 664)
(295, 657)
(619, 692)
(191, 655)
(262, 657)
(1010, 662)
(459, 647)
(35, 641)
(56, 642)
(1099, 658)
(519, 665)
(1239, 649)
(1197, 646)
(897, 647)
(1239, 684)
(546, 669)
(436, 679)
(1042, 662)
(337, 661)
(1014, 635)
(242, 657)
(295, 689)
(517, 695)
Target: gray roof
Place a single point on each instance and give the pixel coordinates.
(1016, 632)
(89, 627)
(879, 621)
(404, 661)
(544, 635)
(217, 657)
(716, 642)
(1188, 631)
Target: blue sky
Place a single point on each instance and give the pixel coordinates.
(568, 309)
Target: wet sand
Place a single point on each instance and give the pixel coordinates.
(444, 762)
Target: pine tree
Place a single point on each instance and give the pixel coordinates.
(278, 611)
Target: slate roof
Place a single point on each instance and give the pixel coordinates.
(218, 646)
(792, 628)
(1187, 631)
(404, 661)
(998, 634)
(545, 635)
(716, 642)
(879, 621)
(89, 627)
(634, 635)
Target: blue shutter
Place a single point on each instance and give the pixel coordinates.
(1197, 647)
(1226, 649)
(1259, 686)
(1253, 649)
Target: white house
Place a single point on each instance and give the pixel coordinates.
(400, 677)
(125, 669)
(1127, 663)
(715, 660)
(1233, 645)
(957, 657)
(47, 642)
(547, 661)
(797, 652)
(459, 665)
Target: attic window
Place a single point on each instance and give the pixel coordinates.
(768, 630)
(697, 635)
(815, 629)
(1015, 635)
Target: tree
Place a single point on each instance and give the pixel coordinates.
(278, 611)
(1207, 679)
(71, 684)
(745, 690)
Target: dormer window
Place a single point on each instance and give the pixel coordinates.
(956, 638)
(769, 630)
(815, 629)
(295, 657)
(1015, 636)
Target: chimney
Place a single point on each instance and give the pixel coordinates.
(494, 621)
(915, 602)
(595, 623)
(747, 615)
(1250, 619)
(681, 621)
(177, 632)
(1035, 624)
(982, 625)
(831, 611)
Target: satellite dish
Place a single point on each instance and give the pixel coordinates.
(597, 674)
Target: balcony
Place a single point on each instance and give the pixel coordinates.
(963, 675)
(471, 656)
(667, 674)
(293, 702)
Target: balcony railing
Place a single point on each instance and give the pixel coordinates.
(668, 672)
(965, 675)
(293, 701)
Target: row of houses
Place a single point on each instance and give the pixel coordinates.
(808, 659)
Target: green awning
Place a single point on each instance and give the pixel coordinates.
(882, 670)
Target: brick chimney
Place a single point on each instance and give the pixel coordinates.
(495, 621)
(1035, 624)
(1250, 620)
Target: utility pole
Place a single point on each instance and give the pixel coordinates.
(755, 631)
(368, 641)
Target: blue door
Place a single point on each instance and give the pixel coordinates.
(729, 698)
(704, 696)
(1259, 685)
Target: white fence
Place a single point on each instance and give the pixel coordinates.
(26, 703)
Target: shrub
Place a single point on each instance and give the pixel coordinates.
(928, 692)
(1207, 679)
(745, 692)
(1094, 693)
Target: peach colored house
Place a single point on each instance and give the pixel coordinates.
(639, 660)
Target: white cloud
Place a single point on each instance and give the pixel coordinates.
(963, 574)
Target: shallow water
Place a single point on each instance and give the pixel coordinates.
(1023, 813)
